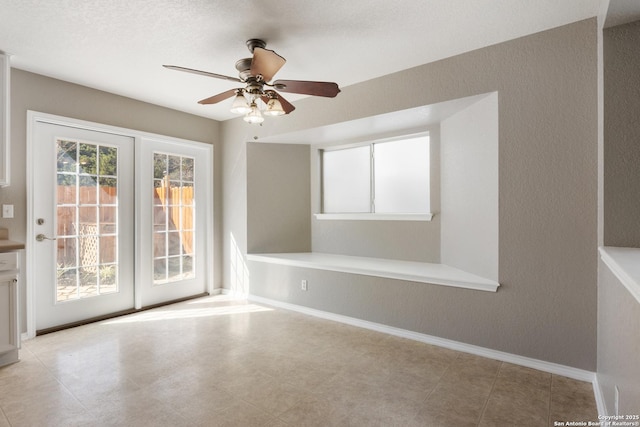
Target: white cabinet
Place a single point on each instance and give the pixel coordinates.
(9, 336)
(5, 71)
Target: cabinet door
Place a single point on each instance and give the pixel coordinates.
(4, 119)
(8, 314)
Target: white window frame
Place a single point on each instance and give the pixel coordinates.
(426, 216)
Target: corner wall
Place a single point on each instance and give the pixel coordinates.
(621, 135)
(618, 310)
(545, 308)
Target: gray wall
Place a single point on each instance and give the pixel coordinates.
(39, 93)
(621, 135)
(618, 311)
(547, 86)
(278, 201)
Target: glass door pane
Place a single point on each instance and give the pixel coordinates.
(173, 218)
(87, 221)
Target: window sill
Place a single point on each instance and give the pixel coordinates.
(423, 272)
(375, 217)
(625, 264)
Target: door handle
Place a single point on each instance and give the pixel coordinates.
(42, 237)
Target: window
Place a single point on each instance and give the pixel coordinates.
(382, 178)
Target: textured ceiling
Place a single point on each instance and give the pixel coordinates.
(622, 12)
(120, 45)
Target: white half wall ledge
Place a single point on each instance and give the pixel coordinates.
(374, 217)
(625, 265)
(423, 272)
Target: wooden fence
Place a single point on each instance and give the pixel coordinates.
(173, 203)
(178, 204)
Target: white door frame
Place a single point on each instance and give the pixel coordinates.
(33, 117)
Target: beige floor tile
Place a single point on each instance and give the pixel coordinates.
(520, 396)
(48, 405)
(447, 409)
(189, 395)
(382, 409)
(522, 375)
(521, 392)
(141, 414)
(268, 394)
(474, 369)
(421, 361)
(276, 422)
(512, 407)
(411, 388)
(218, 361)
(572, 400)
(240, 414)
(23, 379)
(461, 393)
(309, 376)
(465, 400)
(343, 391)
(316, 412)
(200, 408)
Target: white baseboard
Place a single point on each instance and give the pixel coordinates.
(541, 365)
(600, 402)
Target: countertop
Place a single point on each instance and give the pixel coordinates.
(7, 245)
(10, 245)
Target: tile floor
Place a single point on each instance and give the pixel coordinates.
(217, 361)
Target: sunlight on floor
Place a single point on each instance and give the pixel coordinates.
(155, 315)
(213, 299)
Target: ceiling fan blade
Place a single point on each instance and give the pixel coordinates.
(219, 97)
(202, 73)
(286, 105)
(266, 63)
(327, 89)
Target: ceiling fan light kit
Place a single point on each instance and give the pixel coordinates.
(254, 116)
(253, 100)
(274, 108)
(240, 104)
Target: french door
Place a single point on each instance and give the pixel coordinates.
(83, 210)
(172, 220)
(118, 221)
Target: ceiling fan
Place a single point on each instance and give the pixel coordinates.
(259, 96)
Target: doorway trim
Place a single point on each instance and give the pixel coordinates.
(27, 271)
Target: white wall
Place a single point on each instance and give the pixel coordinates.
(469, 189)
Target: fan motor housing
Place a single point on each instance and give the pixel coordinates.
(254, 43)
(244, 68)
